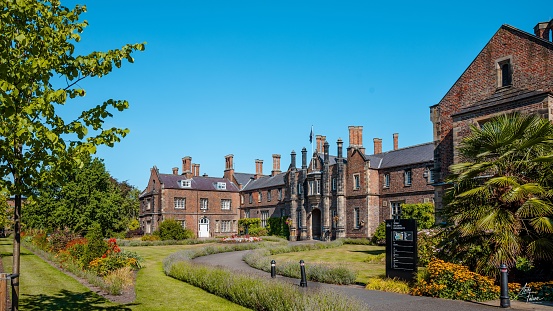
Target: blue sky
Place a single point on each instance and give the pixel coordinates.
(250, 78)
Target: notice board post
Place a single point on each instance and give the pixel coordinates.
(401, 249)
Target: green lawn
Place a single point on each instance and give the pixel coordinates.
(43, 287)
(350, 255)
(156, 291)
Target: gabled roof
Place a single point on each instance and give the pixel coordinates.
(529, 36)
(402, 157)
(331, 158)
(243, 178)
(265, 182)
(171, 181)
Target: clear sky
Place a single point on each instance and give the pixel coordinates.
(250, 78)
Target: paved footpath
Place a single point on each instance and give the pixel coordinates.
(375, 300)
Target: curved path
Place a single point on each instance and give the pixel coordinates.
(375, 300)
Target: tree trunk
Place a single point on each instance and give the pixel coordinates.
(16, 252)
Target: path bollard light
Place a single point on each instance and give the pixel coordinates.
(303, 282)
(273, 268)
(504, 301)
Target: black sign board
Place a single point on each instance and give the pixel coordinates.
(401, 248)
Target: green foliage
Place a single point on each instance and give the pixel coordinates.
(277, 226)
(379, 236)
(257, 293)
(428, 242)
(39, 73)
(86, 195)
(451, 281)
(170, 229)
(257, 231)
(423, 213)
(96, 245)
(58, 239)
(388, 285)
(134, 225)
(500, 204)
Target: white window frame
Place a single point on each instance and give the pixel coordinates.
(221, 185)
(395, 209)
(226, 204)
(269, 195)
(333, 183)
(226, 226)
(279, 194)
(356, 181)
(204, 204)
(264, 218)
(179, 203)
(247, 213)
(186, 183)
(408, 177)
(182, 222)
(250, 198)
(259, 196)
(356, 218)
(387, 180)
(318, 186)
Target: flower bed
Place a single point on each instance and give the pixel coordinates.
(101, 262)
(241, 239)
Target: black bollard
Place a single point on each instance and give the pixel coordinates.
(504, 301)
(303, 282)
(273, 268)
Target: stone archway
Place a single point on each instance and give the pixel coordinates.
(316, 224)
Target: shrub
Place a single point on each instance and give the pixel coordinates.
(170, 229)
(452, 281)
(257, 231)
(134, 233)
(249, 224)
(96, 245)
(59, 239)
(427, 245)
(277, 226)
(358, 241)
(150, 237)
(380, 258)
(388, 285)
(379, 236)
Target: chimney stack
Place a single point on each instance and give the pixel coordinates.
(187, 167)
(276, 164)
(258, 169)
(175, 170)
(339, 142)
(303, 158)
(196, 170)
(293, 159)
(395, 141)
(543, 30)
(320, 143)
(377, 145)
(356, 136)
(229, 167)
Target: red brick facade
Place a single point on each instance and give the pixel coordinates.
(481, 92)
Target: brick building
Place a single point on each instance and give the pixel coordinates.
(513, 72)
(206, 205)
(349, 196)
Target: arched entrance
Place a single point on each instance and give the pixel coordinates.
(203, 231)
(316, 224)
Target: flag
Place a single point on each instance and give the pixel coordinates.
(311, 135)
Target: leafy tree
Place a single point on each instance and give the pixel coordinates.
(500, 204)
(39, 72)
(422, 212)
(87, 195)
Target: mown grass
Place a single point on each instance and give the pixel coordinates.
(43, 287)
(352, 256)
(157, 291)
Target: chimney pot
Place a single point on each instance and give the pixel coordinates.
(175, 170)
(395, 141)
(258, 168)
(543, 30)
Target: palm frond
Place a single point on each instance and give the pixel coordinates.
(535, 207)
(541, 248)
(542, 224)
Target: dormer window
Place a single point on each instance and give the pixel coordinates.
(221, 186)
(187, 183)
(504, 72)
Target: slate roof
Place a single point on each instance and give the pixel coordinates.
(265, 182)
(331, 158)
(501, 97)
(402, 157)
(243, 178)
(171, 181)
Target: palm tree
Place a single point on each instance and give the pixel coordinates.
(500, 203)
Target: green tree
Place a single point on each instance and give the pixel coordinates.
(422, 212)
(39, 72)
(500, 204)
(87, 195)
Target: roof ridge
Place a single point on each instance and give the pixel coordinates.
(404, 148)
